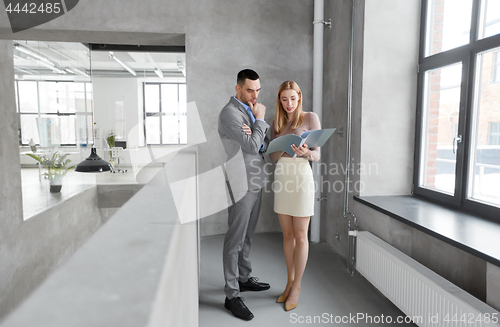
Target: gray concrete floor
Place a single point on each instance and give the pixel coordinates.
(329, 294)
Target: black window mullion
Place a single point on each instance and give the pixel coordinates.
(463, 120)
(445, 58)
(418, 124)
(486, 43)
(423, 29)
(469, 126)
(474, 22)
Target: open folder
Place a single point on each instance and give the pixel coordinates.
(313, 139)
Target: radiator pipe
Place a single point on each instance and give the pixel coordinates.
(351, 228)
(319, 12)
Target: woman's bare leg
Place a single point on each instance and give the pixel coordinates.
(286, 223)
(300, 228)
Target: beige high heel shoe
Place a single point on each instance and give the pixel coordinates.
(290, 306)
(282, 298)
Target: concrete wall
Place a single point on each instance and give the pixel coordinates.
(493, 286)
(390, 60)
(335, 102)
(11, 209)
(386, 36)
(149, 252)
(37, 246)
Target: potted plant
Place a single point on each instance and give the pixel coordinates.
(111, 139)
(57, 167)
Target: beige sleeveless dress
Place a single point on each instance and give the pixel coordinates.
(293, 185)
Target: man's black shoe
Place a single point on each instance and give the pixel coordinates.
(238, 308)
(253, 284)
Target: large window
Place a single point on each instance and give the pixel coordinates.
(458, 107)
(53, 93)
(165, 120)
(60, 109)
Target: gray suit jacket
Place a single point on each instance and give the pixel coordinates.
(244, 158)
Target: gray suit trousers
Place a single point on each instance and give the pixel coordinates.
(242, 221)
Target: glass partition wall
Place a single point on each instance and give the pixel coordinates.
(73, 96)
(139, 102)
(54, 107)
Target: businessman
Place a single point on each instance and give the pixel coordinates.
(245, 181)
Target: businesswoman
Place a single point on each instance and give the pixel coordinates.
(293, 186)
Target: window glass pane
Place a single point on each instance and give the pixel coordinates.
(170, 126)
(153, 130)
(49, 130)
(79, 95)
(494, 134)
(152, 97)
(28, 96)
(48, 97)
(83, 128)
(67, 127)
(441, 106)
(169, 98)
(182, 98)
(496, 68)
(490, 18)
(29, 129)
(183, 129)
(182, 113)
(88, 89)
(448, 25)
(90, 129)
(66, 96)
(119, 119)
(484, 173)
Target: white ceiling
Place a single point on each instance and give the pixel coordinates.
(75, 59)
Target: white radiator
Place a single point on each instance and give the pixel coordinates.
(424, 296)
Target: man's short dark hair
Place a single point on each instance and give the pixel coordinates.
(246, 74)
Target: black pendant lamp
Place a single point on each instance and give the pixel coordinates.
(93, 164)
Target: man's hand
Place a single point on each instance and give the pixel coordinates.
(258, 109)
(246, 129)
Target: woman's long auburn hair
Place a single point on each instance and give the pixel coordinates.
(280, 116)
